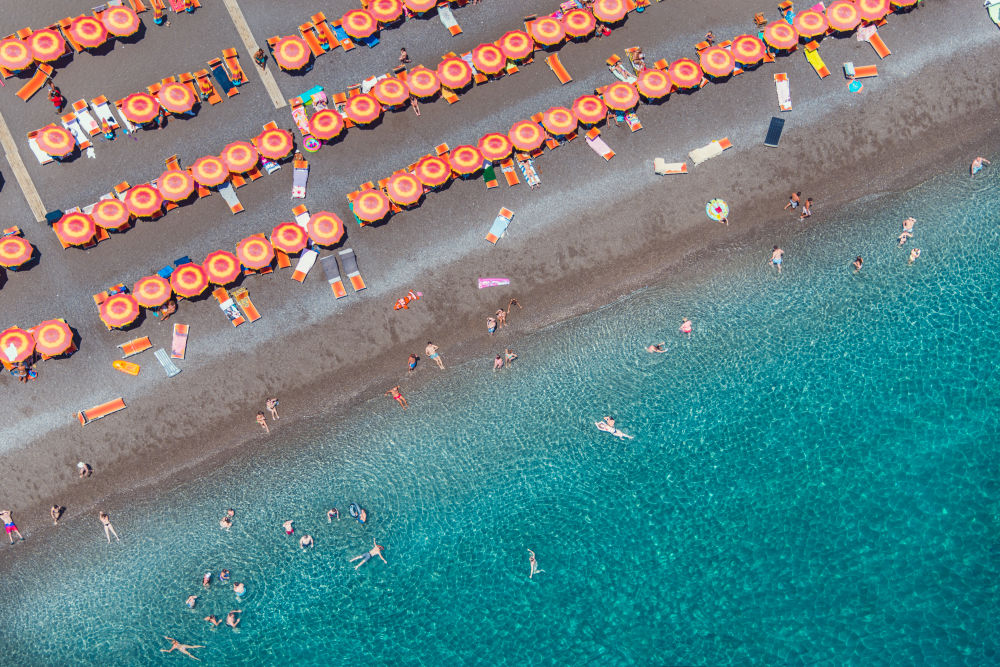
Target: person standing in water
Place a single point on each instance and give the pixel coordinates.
(367, 556)
(776, 255)
(272, 406)
(533, 562)
(686, 326)
(432, 351)
(497, 363)
(55, 513)
(289, 529)
(109, 530)
(857, 264)
(977, 165)
(233, 618)
(8, 524)
(305, 542)
(914, 255)
(263, 423)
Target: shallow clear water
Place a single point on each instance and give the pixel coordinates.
(813, 480)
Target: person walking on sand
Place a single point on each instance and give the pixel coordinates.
(914, 255)
(432, 351)
(533, 562)
(9, 527)
(233, 618)
(272, 406)
(398, 397)
(367, 556)
(177, 646)
(776, 255)
(491, 325)
(858, 262)
(501, 318)
(411, 363)
(109, 530)
(793, 201)
(404, 57)
(83, 470)
(513, 302)
(806, 209)
(686, 326)
(263, 423)
(55, 512)
(977, 165)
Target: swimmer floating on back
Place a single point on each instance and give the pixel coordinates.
(367, 556)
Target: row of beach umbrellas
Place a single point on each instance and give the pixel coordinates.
(49, 44)
(51, 338)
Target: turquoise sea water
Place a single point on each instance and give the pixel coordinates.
(814, 479)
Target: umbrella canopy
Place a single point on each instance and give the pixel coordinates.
(431, 171)
(22, 341)
(526, 135)
(221, 268)
(326, 124)
(903, 3)
(495, 146)
(53, 337)
(111, 213)
(779, 35)
(255, 252)
(88, 32)
(715, 61)
(151, 291)
(363, 109)
(75, 228)
(121, 21)
(275, 143)
(685, 73)
(717, 210)
(423, 82)
(547, 31)
(176, 97)
(119, 310)
(240, 156)
(454, 73)
(175, 185)
(516, 44)
(420, 6)
(189, 280)
(404, 188)
(371, 205)
(289, 237)
(810, 23)
(559, 121)
(465, 160)
(324, 228)
(489, 59)
(621, 96)
(143, 200)
(579, 23)
(46, 45)
(748, 49)
(610, 11)
(140, 107)
(385, 11)
(843, 15)
(654, 84)
(872, 10)
(14, 251)
(55, 140)
(590, 109)
(210, 171)
(359, 23)
(15, 54)
(390, 91)
(292, 53)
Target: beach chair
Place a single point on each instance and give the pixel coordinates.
(615, 67)
(441, 150)
(135, 346)
(632, 120)
(507, 167)
(126, 367)
(327, 38)
(812, 55)
(70, 122)
(312, 39)
(103, 111)
(598, 145)
(784, 94)
(178, 344)
(712, 149)
(557, 68)
(774, 131)
(281, 259)
(228, 193)
(126, 123)
(350, 262)
(663, 168)
(301, 213)
(228, 307)
(100, 411)
(345, 42)
(527, 166)
(490, 176)
(306, 261)
(168, 366)
(86, 121)
(300, 176)
(40, 155)
(448, 19)
(880, 48)
(499, 226)
(222, 78)
(41, 76)
(332, 272)
(237, 75)
(242, 297)
(993, 10)
(205, 85)
(861, 71)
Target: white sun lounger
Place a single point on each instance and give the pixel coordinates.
(42, 156)
(500, 224)
(662, 167)
(70, 122)
(784, 93)
(306, 261)
(448, 20)
(600, 147)
(713, 149)
(300, 176)
(169, 366)
(228, 193)
(86, 121)
(103, 111)
(530, 172)
(126, 123)
(302, 217)
(621, 73)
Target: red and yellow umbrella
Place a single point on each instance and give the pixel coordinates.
(189, 280)
(75, 228)
(53, 337)
(359, 23)
(371, 206)
(385, 11)
(15, 54)
(289, 237)
(326, 124)
(489, 59)
(143, 200)
(810, 23)
(121, 21)
(292, 53)
(621, 96)
(175, 184)
(140, 107)
(391, 91)
(454, 73)
(176, 97)
(151, 291)
(404, 188)
(420, 6)
(423, 82)
(363, 109)
(432, 171)
(22, 341)
(610, 11)
(547, 31)
(46, 45)
(685, 73)
(88, 32)
(55, 140)
(221, 268)
(14, 251)
(903, 3)
(748, 49)
(579, 23)
(843, 15)
(559, 121)
(210, 171)
(119, 310)
(873, 10)
(495, 146)
(240, 156)
(111, 213)
(590, 109)
(325, 228)
(465, 160)
(516, 44)
(526, 135)
(779, 35)
(654, 84)
(275, 143)
(715, 61)
(255, 252)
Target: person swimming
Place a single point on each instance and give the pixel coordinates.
(914, 255)
(206, 581)
(659, 348)
(224, 576)
(686, 326)
(239, 589)
(288, 527)
(533, 562)
(331, 513)
(368, 555)
(305, 542)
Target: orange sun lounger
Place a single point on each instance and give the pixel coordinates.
(135, 346)
(228, 307)
(350, 263)
(308, 34)
(507, 167)
(100, 411)
(35, 83)
(324, 30)
(242, 297)
(880, 48)
(233, 65)
(557, 68)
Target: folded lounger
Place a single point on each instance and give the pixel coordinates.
(100, 411)
(557, 68)
(880, 48)
(507, 167)
(169, 366)
(784, 93)
(135, 346)
(228, 307)
(662, 167)
(350, 262)
(448, 19)
(774, 131)
(228, 193)
(103, 111)
(598, 145)
(300, 176)
(332, 272)
(306, 261)
(242, 297)
(500, 224)
(178, 345)
(812, 55)
(713, 149)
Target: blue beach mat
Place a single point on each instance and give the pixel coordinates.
(774, 131)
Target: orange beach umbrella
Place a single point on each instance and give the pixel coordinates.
(275, 143)
(151, 291)
(140, 107)
(292, 53)
(465, 160)
(685, 73)
(654, 84)
(14, 54)
(621, 96)
(547, 31)
(14, 251)
(779, 35)
(454, 73)
(120, 21)
(495, 146)
(324, 228)
(210, 171)
(55, 140)
(903, 3)
(289, 237)
(46, 44)
(748, 49)
(359, 23)
(255, 252)
(610, 11)
(715, 61)
(363, 109)
(240, 156)
(526, 135)
(75, 228)
(22, 341)
(590, 109)
(176, 97)
(371, 206)
(175, 185)
(390, 91)
(221, 267)
(143, 200)
(873, 10)
(88, 32)
(53, 337)
(843, 15)
(559, 121)
(489, 59)
(810, 23)
(404, 188)
(189, 280)
(420, 6)
(516, 44)
(385, 11)
(431, 171)
(579, 22)
(111, 213)
(119, 310)
(423, 82)
(326, 124)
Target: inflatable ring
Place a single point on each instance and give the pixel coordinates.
(311, 144)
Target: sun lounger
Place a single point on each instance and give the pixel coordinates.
(598, 145)
(135, 346)
(784, 93)
(222, 77)
(86, 121)
(178, 345)
(70, 122)
(860, 71)
(350, 262)
(300, 176)
(332, 272)
(500, 224)
(774, 131)
(103, 111)
(448, 20)
(126, 123)
(557, 68)
(616, 68)
(312, 39)
(812, 55)
(507, 167)
(527, 167)
(205, 84)
(880, 48)
(490, 176)
(662, 167)
(169, 366)
(342, 37)
(227, 306)
(233, 65)
(301, 214)
(228, 193)
(328, 39)
(632, 120)
(306, 261)
(100, 411)
(126, 367)
(242, 297)
(35, 83)
(993, 9)
(40, 155)
(713, 149)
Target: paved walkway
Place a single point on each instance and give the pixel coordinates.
(251, 46)
(20, 172)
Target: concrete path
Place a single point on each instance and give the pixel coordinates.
(251, 46)
(20, 172)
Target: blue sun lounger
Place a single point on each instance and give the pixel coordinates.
(774, 131)
(500, 224)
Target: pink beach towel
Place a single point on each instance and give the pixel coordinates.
(177, 5)
(493, 282)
